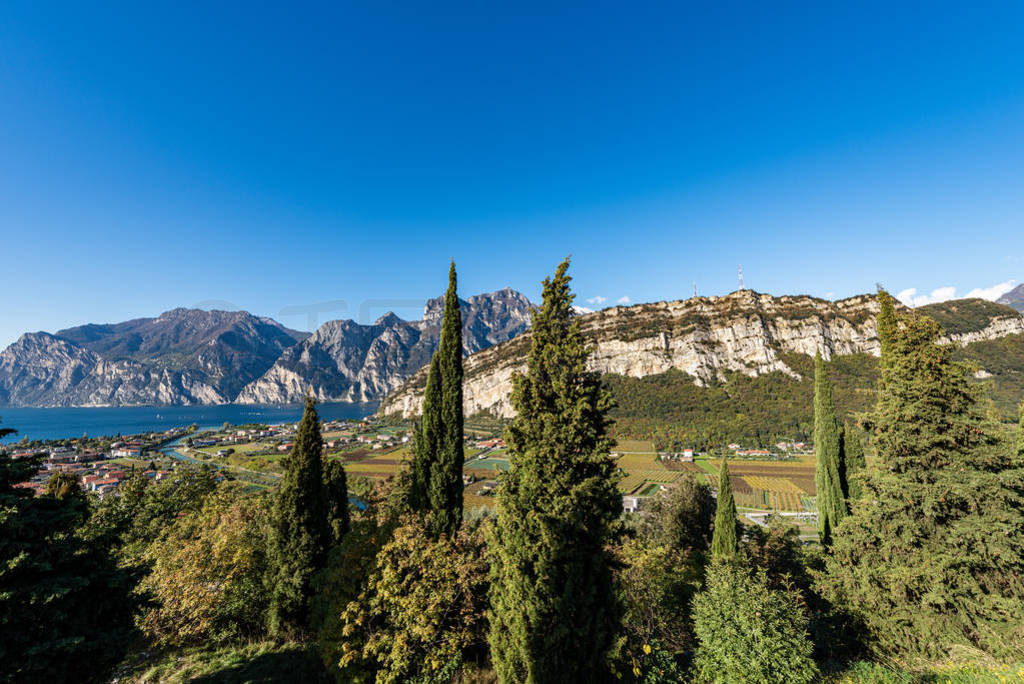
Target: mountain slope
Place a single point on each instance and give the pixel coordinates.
(711, 341)
(346, 361)
(1014, 298)
(184, 356)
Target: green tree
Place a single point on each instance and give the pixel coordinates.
(657, 584)
(445, 487)
(553, 608)
(421, 614)
(143, 510)
(886, 323)
(300, 533)
(934, 563)
(853, 462)
(208, 570)
(62, 484)
(748, 630)
(336, 499)
(827, 453)
(66, 607)
(427, 436)
(680, 518)
(725, 540)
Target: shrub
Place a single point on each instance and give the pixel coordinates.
(749, 632)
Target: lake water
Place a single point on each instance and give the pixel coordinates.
(60, 423)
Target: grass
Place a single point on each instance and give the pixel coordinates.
(256, 662)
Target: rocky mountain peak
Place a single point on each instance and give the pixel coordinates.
(1014, 298)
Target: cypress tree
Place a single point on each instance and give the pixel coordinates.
(445, 486)
(933, 565)
(301, 533)
(336, 499)
(427, 437)
(827, 453)
(853, 463)
(886, 322)
(725, 538)
(554, 610)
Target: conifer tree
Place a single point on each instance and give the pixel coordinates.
(445, 486)
(67, 608)
(853, 463)
(427, 444)
(827, 452)
(554, 611)
(886, 324)
(336, 499)
(725, 537)
(934, 563)
(301, 533)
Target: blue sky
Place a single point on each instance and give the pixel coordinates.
(161, 155)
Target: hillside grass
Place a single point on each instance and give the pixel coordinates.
(959, 316)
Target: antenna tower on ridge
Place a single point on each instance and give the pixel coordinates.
(741, 276)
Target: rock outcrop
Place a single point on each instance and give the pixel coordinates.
(346, 361)
(705, 337)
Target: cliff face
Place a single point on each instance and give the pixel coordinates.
(705, 337)
(346, 361)
(182, 357)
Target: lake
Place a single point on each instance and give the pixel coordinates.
(60, 423)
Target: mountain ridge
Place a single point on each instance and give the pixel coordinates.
(191, 356)
(708, 338)
(346, 361)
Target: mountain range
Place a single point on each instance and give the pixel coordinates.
(696, 354)
(738, 355)
(189, 356)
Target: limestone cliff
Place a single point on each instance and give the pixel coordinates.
(705, 337)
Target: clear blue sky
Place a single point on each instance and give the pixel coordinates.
(155, 155)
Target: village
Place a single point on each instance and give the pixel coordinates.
(780, 478)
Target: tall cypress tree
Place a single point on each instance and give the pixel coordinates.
(934, 563)
(886, 323)
(427, 444)
(725, 538)
(336, 499)
(301, 532)
(554, 611)
(827, 452)
(445, 486)
(853, 463)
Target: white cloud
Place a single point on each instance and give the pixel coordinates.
(910, 297)
(597, 300)
(623, 300)
(992, 293)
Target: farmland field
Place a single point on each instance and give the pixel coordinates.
(635, 445)
(777, 485)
